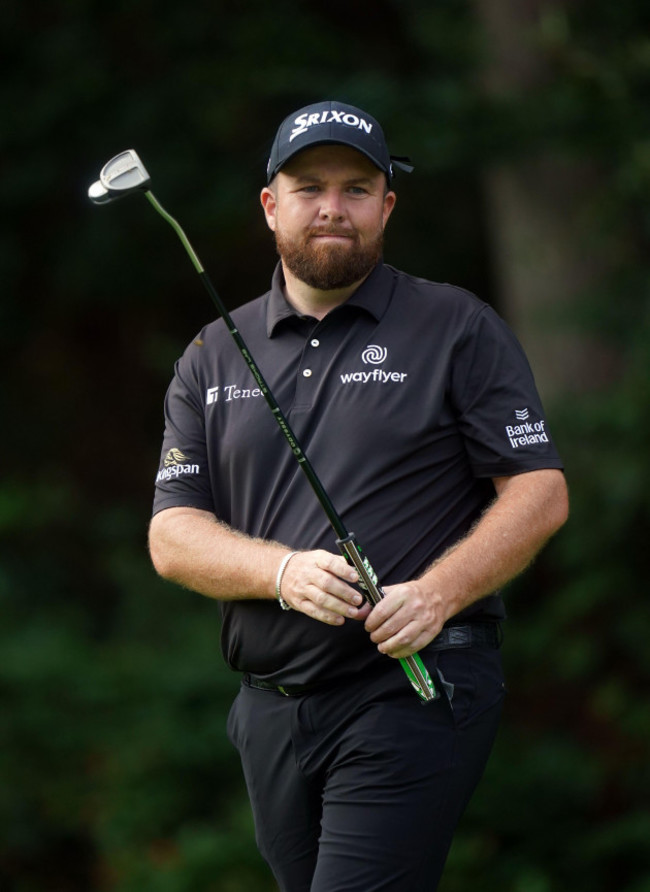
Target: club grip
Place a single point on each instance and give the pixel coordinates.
(413, 666)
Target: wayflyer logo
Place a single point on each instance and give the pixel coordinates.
(375, 355)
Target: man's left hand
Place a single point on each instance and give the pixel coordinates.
(406, 620)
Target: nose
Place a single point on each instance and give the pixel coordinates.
(332, 206)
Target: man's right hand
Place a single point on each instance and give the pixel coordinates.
(319, 584)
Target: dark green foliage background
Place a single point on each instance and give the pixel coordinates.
(115, 771)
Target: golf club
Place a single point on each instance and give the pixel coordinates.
(125, 174)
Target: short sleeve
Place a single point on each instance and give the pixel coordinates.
(496, 402)
(183, 478)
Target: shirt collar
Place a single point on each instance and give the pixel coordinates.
(373, 296)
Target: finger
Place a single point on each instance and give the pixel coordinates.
(363, 611)
(387, 630)
(337, 565)
(347, 604)
(332, 585)
(318, 605)
(391, 618)
(327, 577)
(405, 642)
(331, 618)
(314, 587)
(382, 613)
(319, 568)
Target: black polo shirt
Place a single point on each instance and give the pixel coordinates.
(407, 399)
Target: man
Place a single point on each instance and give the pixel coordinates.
(419, 412)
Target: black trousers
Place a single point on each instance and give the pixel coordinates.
(359, 787)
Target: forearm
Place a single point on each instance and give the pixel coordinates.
(192, 548)
(528, 510)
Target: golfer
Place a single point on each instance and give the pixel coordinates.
(418, 410)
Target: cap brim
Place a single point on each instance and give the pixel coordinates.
(326, 142)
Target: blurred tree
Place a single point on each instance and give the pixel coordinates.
(545, 190)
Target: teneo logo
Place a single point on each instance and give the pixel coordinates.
(304, 122)
(374, 355)
(231, 392)
(175, 464)
(528, 433)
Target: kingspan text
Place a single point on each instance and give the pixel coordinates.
(176, 471)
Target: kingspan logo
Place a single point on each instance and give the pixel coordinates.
(175, 464)
(374, 355)
(304, 122)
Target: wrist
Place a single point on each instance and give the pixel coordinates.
(438, 593)
(278, 580)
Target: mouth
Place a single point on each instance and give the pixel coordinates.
(331, 237)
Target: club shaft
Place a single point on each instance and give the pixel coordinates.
(284, 425)
(412, 665)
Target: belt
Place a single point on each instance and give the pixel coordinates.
(466, 635)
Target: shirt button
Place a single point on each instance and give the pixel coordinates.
(315, 342)
(307, 373)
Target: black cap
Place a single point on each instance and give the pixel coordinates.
(332, 123)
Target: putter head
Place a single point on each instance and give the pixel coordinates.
(123, 174)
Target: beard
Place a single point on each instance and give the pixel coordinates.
(328, 267)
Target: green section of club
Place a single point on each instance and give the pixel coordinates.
(413, 666)
(198, 266)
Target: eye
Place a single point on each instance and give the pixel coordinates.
(357, 190)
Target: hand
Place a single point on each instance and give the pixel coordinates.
(406, 620)
(319, 584)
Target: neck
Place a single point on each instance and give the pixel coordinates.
(310, 301)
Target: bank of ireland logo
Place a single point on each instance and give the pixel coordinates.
(374, 355)
(526, 433)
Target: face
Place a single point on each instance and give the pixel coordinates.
(328, 207)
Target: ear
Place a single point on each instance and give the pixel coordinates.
(269, 203)
(389, 203)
